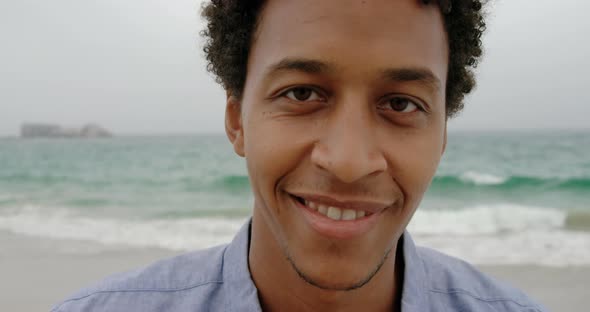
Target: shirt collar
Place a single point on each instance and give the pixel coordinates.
(414, 298)
(242, 294)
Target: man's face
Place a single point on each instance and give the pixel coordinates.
(343, 107)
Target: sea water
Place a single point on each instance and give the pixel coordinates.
(497, 198)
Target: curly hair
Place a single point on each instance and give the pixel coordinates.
(231, 24)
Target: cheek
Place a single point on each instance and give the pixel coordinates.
(413, 163)
(273, 149)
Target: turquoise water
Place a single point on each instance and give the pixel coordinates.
(487, 184)
(549, 170)
(125, 177)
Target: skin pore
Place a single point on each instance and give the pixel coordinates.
(343, 106)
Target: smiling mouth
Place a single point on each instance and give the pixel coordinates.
(335, 218)
(333, 212)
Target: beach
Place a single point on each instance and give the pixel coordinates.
(558, 289)
(38, 273)
(515, 204)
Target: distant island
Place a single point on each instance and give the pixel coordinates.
(41, 130)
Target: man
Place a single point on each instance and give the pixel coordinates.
(340, 108)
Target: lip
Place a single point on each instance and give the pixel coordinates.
(341, 229)
(368, 206)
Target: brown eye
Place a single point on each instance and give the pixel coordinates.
(302, 94)
(402, 105)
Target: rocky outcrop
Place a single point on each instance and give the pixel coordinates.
(39, 130)
(94, 131)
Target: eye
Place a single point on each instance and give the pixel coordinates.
(302, 94)
(401, 105)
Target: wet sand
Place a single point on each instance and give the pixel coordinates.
(37, 273)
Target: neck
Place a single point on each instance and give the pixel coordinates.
(281, 289)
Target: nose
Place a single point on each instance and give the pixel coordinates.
(348, 148)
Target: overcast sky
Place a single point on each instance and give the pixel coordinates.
(136, 67)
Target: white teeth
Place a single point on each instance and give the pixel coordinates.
(311, 205)
(334, 213)
(348, 214)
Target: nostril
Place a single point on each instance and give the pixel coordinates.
(348, 161)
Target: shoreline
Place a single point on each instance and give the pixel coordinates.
(42, 272)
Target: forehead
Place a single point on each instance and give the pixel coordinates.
(352, 33)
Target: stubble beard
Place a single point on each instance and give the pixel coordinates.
(362, 282)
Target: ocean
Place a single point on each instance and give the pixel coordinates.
(497, 198)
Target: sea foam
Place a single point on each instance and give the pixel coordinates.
(482, 178)
(501, 234)
(181, 234)
(486, 219)
(555, 248)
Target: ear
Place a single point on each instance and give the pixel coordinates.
(233, 124)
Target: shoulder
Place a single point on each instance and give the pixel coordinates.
(455, 283)
(195, 275)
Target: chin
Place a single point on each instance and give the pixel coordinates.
(340, 273)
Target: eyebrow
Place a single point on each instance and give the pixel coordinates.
(410, 74)
(420, 75)
(299, 64)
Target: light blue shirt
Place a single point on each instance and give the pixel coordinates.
(218, 279)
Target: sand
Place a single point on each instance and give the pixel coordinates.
(35, 276)
(558, 289)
